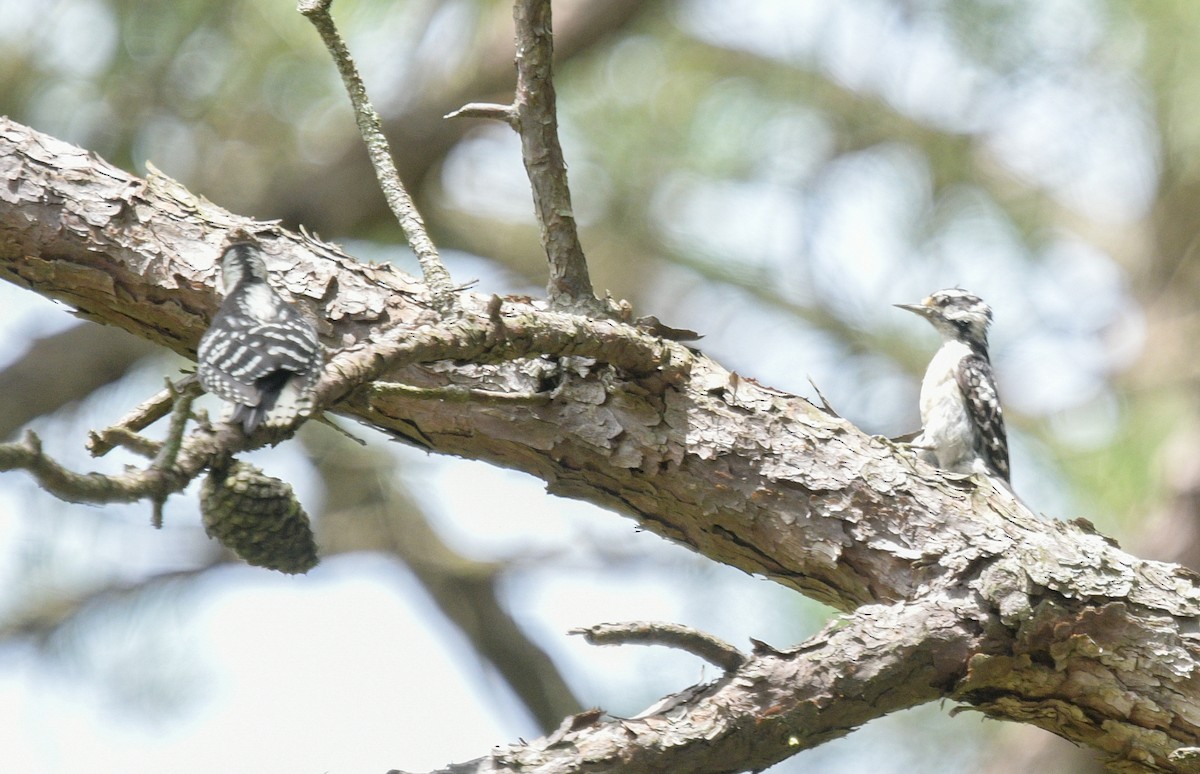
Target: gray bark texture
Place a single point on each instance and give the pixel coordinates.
(949, 587)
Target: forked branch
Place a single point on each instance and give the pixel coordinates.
(534, 116)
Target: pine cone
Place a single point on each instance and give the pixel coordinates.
(258, 517)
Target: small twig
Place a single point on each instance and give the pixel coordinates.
(712, 649)
(454, 393)
(490, 110)
(169, 452)
(179, 419)
(156, 510)
(371, 129)
(824, 403)
(64, 484)
(101, 442)
(570, 286)
(495, 313)
(154, 408)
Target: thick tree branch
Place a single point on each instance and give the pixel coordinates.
(1025, 619)
(879, 660)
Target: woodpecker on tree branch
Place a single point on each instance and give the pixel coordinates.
(260, 354)
(962, 422)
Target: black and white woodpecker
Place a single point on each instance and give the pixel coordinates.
(260, 354)
(962, 423)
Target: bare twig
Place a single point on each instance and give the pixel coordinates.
(712, 649)
(483, 68)
(505, 113)
(180, 415)
(154, 408)
(73, 487)
(118, 435)
(165, 460)
(569, 287)
(824, 401)
(371, 129)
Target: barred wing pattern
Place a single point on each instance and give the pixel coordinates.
(978, 386)
(261, 355)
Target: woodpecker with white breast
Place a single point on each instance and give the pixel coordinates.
(962, 423)
(260, 354)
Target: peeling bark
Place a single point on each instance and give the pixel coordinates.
(951, 587)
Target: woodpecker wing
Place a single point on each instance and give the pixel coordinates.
(978, 387)
(218, 357)
(240, 350)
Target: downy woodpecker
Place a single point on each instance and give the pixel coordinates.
(260, 354)
(962, 423)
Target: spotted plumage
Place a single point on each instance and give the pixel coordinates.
(260, 354)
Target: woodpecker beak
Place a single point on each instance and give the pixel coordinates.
(922, 308)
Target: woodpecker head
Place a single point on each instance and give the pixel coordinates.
(242, 261)
(956, 314)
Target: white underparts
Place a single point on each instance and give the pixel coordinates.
(949, 438)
